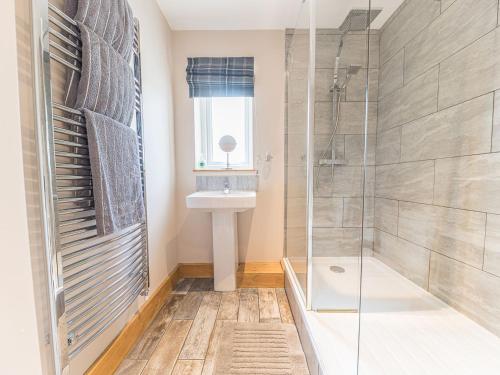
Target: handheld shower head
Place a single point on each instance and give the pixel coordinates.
(351, 71)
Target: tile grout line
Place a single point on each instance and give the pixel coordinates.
(441, 254)
(442, 158)
(435, 205)
(460, 49)
(394, 126)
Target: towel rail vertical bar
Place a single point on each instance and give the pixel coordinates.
(46, 153)
(140, 133)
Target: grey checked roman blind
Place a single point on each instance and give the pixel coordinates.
(220, 76)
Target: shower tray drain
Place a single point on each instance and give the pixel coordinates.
(337, 269)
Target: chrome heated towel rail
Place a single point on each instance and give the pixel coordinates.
(93, 279)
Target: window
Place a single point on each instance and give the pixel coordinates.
(216, 117)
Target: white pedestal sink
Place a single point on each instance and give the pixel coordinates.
(224, 208)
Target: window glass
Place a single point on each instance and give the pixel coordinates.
(220, 116)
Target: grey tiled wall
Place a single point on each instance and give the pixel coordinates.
(243, 183)
(437, 205)
(338, 201)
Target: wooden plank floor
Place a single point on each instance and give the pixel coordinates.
(183, 338)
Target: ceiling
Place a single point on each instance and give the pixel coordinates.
(264, 14)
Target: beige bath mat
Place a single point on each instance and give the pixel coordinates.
(257, 348)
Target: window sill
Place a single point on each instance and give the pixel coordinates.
(226, 172)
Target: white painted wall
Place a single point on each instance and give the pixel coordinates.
(19, 350)
(260, 230)
(157, 61)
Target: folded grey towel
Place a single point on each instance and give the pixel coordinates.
(106, 84)
(116, 173)
(112, 20)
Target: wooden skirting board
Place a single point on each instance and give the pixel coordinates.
(250, 275)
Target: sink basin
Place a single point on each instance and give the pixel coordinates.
(213, 200)
(224, 208)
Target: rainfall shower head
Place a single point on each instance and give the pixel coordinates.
(359, 20)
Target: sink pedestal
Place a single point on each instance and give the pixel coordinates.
(224, 208)
(225, 249)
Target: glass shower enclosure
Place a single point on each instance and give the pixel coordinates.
(330, 148)
(392, 185)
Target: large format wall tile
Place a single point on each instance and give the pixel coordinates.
(418, 98)
(469, 182)
(455, 233)
(411, 19)
(336, 242)
(464, 129)
(389, 146)
(355, 147)
(386, 215)
(353, 212)
(296, 243)
(323, 118)
(297, 86)
(410, 260)
(492, 245)
(296, 212)
(407, 181)
(352, 118)
(356, 90)
(462, 23)
(296, 182)
(298, 51)
(469, 290)
(323, 187)
(326, 49)
(471, 72)
(391, 74)
(369, 181)
(347, 181)
(296, 118)
(328, 212)
(324, 83)
(495, 143)
(296, 145)
(445, 4)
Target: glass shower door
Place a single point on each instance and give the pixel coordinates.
(297, 69)
(343, 177)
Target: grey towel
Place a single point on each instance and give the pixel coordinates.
(112, 20)
(106, 84)
(116, 173)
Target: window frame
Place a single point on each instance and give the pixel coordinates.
(204, 134)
